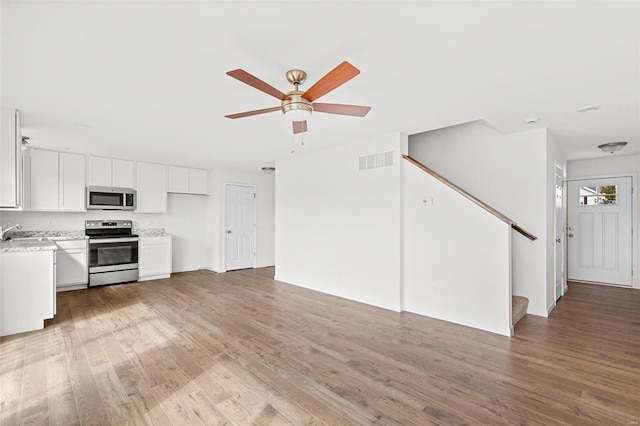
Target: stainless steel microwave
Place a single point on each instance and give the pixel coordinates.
(108, 198)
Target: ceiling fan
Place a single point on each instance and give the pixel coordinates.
(297, 105)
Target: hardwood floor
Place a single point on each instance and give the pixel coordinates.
(239, 348)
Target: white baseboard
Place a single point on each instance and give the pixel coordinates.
(154, 277)
(72, 287)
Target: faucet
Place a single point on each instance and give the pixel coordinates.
(4, 231)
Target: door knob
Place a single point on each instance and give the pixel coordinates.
(571, 228)
(570, 235)
(228, 231)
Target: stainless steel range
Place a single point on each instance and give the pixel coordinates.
(113, 252)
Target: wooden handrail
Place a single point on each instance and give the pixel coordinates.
(524, 232)
(470, 197)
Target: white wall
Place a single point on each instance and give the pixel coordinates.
(508, 172)
(338, 228)
(609, 165)
(185, 220)
(456, 263)
(265, 238)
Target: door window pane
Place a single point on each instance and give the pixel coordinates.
(598, 195)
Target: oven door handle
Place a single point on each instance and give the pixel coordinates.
(113, 240)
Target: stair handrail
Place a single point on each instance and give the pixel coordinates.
(470, 197)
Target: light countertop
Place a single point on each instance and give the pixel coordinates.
(54, 235)
(26, 246)
(151, 232)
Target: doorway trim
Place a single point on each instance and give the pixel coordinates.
(634, 216)
(223, 230)
(560, 249)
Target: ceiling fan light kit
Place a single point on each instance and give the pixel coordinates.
(296, 105)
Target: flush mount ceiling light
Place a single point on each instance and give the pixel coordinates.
(588, 108)
(531, 120)
(268, 170)
(612, 147)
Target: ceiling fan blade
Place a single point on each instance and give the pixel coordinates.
(252, 81)
(335, 78)
(254, 112)
(299, 126)
(342, 109)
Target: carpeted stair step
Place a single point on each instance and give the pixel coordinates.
(519, 306)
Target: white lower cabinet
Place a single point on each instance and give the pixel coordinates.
(154, 257)
(27, 290)
(72, 268)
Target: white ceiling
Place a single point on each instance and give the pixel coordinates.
(146, 80)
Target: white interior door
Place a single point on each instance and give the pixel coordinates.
(559, 216)
(600, 246)
(240, 227)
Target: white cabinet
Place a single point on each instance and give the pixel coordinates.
(57, 181)
(71, 266)
(185, 180)
(154, 257)
(44, 180)
(151, 186)
(123, 173)
(27, 290)
(71, 189)
(10, 159)
(110, 172)
(198, 181)
(98, 171)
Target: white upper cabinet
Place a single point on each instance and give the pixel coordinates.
(122, 173)
(187, 181)
(44, 180)
(110, 172)
(198, 181)
(178, 179)
(71, 189)
(57, 181)
(151, 186)
(10, 159)
(99, 171)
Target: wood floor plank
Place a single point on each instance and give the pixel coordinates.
(12, 362)
(241, 348)
(62, 404)
(34, 403)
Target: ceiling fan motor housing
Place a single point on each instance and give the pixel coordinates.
(296, 103)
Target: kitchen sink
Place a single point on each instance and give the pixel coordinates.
(28, 239)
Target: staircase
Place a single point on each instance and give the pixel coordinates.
(518, 308)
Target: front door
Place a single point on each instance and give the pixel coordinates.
(240, 227)
(599, 231)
